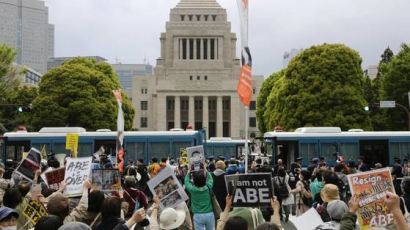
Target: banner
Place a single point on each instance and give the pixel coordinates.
(106, 180)
(71, 143)
(183, 157)
(371, 187)
(34, 211)
(167, 187)
(196, 157)
(55, 176)
(77, 171)
(27, 169)
(250, 190)
(120, 132)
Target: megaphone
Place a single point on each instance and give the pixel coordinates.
(60, 157)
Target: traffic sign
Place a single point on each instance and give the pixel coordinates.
(387, 104)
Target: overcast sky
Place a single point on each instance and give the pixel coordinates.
(129, 30)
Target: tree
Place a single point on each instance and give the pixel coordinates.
(79, 93)
(264, 92)
(322, 86)
(395, 84)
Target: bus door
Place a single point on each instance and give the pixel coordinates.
(329, 150)
(375, 151)
(287, 151)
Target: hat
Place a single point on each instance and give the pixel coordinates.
(220, 165)
(171, 218)
(336, 209)
(74, 226)
(6, 212)
(222, 158)
(299, 158)
(315, 160)
(329, 193)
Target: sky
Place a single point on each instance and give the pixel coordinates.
(128, 31)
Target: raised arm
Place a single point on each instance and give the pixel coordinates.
(210, 180)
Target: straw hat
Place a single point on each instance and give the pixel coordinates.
(329, 192)
(171, 218)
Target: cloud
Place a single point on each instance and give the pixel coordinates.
(130, 29)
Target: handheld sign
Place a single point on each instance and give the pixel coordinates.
(71, 143)
(196, 157)
(371, 187)
(250, 190)
(76, 172)
(34, 211)
(183, 157)
(106, 180)
(55, 176)
(167, 187)
(27, 169)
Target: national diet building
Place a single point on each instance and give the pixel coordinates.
(195, 78)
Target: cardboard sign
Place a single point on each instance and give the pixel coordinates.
(250, 190)
(371, 187)
(196, 157)
(183, 157)
(167, 187)
(71, 143)
(55, 176)
(106, 180)
(27, 169)
(34, 211)
(308, 220)
(77, 171)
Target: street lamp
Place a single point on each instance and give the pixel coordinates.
(393, 104)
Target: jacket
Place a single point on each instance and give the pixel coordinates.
(200, 196)
(219, 187)
(131, 196)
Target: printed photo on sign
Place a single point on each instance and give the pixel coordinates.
(196, 157)
(168, 189)
(106, 180)
(183, 157)
(55, 176)
(371, 187)
(27, 169)
(77, 171)
(250, 190)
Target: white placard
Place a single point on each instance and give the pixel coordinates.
(77, 171)
(308, 220)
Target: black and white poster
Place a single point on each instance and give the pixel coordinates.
(250, 190)
(196, 156)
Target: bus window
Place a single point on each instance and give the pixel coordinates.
(135, 151)
(40, 146)
(399, 150)
(85, 150)
(177, 146)
(350, 151)
(60, 148)
(160, 150)
(308, 151)
(15, 149)
(110, 146)
(328, 151)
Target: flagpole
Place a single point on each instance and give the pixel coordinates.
(246, 138)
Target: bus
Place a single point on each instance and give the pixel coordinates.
(138, 144)
(329, 142)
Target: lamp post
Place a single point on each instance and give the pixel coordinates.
(394, 104)
(408, 114)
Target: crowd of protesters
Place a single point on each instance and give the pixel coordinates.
(296, 190)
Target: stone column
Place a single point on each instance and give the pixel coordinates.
(162, 113)
(177, 112)
(205, 115)
(194, 48)
(191, 113)
(219, 117)
(208, 50)
(180, 49)
(202, 49)
(187, 49)
(236, 114)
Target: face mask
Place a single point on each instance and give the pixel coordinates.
(9, 228)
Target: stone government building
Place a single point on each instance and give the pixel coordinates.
(195, 79)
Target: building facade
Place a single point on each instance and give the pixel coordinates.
(194, 81)
(371, 71)
(24, 26)
(58, 61)
(127, 72)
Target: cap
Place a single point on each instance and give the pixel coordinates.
(299, 158)
(336, 209)
(6, 212)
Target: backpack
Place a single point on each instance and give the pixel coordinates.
(282, 188)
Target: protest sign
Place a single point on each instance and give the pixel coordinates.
(167, 187)
(55, 176)
(183, 157)
(196, 157)
(106, 180)
(308, 220)
(27, 168)
(34, 155)
(250, 190)
(76, 172)
(370, 187)
(34, 211)
(71, 143)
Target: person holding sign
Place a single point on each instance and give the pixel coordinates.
(201, 203)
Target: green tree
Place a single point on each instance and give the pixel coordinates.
(322, 86)
(264, 92)
(395, 84)
(79, 93)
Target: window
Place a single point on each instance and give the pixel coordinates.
(198, 49)
(214, 17)
(252, 122)
(206, 17)
(184, 104)
(226, 104)
(212, 41)
(144, 122)
(144, 90)
(206, 78)
(170, 104)
(190, 78)
(198, 17)
(252, 105)
(190, 17)
(254, 90)
(191, 48)
(198, 78)
(184, 48)
(182, 17)
(135, 150)
(205, 49)
(144, 105)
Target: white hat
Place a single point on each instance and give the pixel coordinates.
(171, 218)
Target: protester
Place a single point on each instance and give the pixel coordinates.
(4, 183)
(302, 193)
(201, 203)
(50, 222)
(219, 187)
(232, 167)
(170, 218)
(75, 226)
(134, 197)
(336, 210)
(405, 198)
(8, 218)
(362, 165)
(282, 189)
